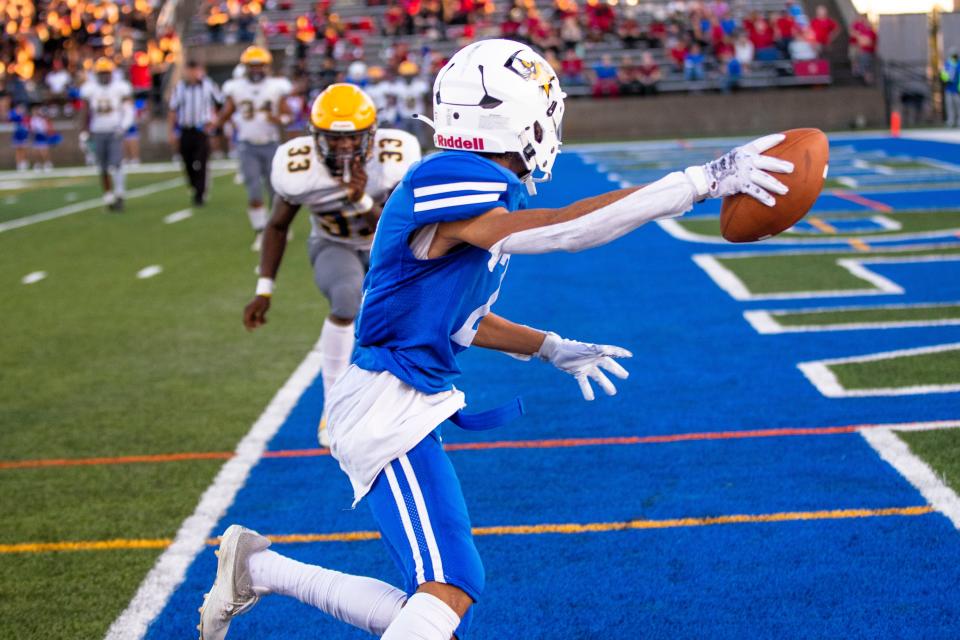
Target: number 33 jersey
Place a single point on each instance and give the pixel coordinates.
(255, 102)
(300, 176)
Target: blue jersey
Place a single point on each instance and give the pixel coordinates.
(417, 315)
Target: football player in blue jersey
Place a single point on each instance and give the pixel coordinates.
(439, 255)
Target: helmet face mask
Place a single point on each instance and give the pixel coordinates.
(256, 72)
(104, 78)
(339, 149)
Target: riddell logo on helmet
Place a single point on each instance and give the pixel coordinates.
(457, 142)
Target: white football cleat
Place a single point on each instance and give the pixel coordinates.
(257, 242)
(232, 592)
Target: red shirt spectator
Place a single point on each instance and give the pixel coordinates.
(657, 31)
(678, 53)
(863, 36)
(762, 34)
(786, 27)
(824, 27)
(140, 72)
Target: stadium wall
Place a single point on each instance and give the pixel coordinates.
(748, 112)
(666, 116)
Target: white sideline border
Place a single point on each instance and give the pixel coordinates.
(170, 569)
(765, 322)
(918, 473)
(734, 286)
(820, 375)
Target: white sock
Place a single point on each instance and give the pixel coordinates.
(258, 217)
(365, 603)
(119, 180)
(336, 344)
(425, 617)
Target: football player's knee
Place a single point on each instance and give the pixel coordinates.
(344, 300)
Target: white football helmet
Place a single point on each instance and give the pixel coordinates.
(500, 96)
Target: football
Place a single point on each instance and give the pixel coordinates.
(744, 219)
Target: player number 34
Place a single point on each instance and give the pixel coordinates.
(303, 163)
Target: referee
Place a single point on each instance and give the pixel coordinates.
(192, 108)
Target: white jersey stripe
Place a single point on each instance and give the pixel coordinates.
(424, 519)
(405, 519)
(459, 186)
(457, 201)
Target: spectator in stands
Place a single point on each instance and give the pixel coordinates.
(761, 34)
(58, 82)
(678, 53)
(656, 33)
(825, 28)
(863, 48)
(570, 32)
(731, 72)
(950, 76)
(605, 81)
(648, 74)
(600, 19)
(627, 76)
(784, 31)
(629, 29)
(693, 65)
(744, 52)
(724, 48)
(804, 46)
(571, 69)
(141, 78)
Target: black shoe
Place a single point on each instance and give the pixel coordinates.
(117, 206)
(199, 200)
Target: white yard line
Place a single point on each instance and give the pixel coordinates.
(177, 216)
(820, 375)
(917, 472)
(149, 272)
(34, 276)
(86, 205)
(171, 567)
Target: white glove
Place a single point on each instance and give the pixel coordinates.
(743, 170)
(584, 362)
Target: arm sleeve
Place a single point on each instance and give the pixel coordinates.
(668, 197)
(456, 187)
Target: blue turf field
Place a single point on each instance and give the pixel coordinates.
(698, 367)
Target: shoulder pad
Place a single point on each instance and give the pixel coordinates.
(456, 185)
(297, 171)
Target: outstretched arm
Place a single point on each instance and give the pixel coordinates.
(593, 222)
(583, 360)
(274, 244)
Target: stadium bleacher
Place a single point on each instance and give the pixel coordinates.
(349, 30)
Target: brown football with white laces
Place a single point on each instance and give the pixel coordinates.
(744, 219)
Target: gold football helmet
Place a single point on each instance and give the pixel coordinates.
(343, 120)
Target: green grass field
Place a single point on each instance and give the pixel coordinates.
(911, 222)
(97, 362)
(796, 272)
(940, 449)
(904, 371)
(913, 313)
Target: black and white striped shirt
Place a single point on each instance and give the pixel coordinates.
(195, 103)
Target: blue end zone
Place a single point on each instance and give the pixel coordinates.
(698, 367)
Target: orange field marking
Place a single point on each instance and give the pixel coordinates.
(821, 225)
(560, 443)
(503, 530)
(849, 196)
(858, 244)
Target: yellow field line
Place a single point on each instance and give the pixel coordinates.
(822, 225)
(505, 530)
(859, 244)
